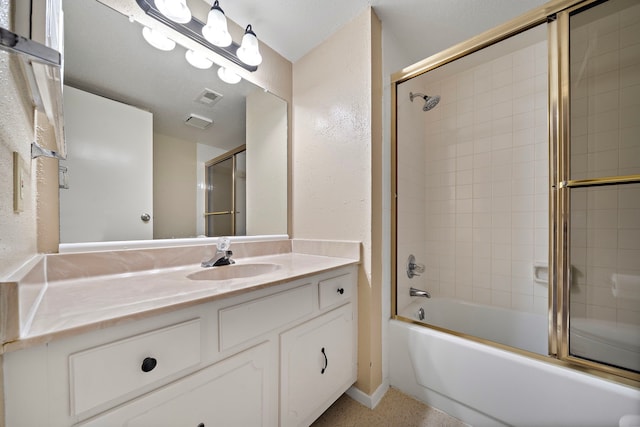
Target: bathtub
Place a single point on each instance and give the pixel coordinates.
(613, 343)
(616, 344)
(528, 331)
(488, 386)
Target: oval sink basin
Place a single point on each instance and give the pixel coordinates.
(234, 271)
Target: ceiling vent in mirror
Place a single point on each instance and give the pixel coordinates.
(208, 97)
(198, 121)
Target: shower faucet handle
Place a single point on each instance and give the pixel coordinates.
(414, 269)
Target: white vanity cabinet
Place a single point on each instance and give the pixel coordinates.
(238, 391)
(317, 365)
(279, 355)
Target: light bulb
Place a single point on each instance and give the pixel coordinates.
(228, 76)
(157, 39)
(248, 51)
(198, 60)
(216, 31)
(176, 10)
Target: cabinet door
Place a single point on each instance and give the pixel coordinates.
(318, 364)
(239, 391)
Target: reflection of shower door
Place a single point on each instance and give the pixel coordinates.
(225, 197)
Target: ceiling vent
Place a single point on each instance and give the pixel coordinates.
(208, 97)
(198, 121)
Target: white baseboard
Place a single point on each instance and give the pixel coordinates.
(369, 401)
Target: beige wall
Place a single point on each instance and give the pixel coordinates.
(336, 137)
(18, 238)
(174, 187)
(267, 162)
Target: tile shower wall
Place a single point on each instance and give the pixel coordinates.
(484, 157)
(605, 141)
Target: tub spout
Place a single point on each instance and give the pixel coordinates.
(419, 293)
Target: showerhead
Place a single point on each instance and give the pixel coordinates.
(429, 101)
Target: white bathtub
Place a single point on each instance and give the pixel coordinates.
(484, 385)
(528, 331)
(616, 344)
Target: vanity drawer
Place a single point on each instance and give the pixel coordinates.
(252, 319)
(335, 290)
(103, 373)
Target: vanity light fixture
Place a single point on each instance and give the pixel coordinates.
(216, 31)
(157, 39)
(248, 52)
(176, 10)
(198, 60)
(228, 76)
(193, 29)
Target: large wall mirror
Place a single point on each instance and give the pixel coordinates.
(116, 82)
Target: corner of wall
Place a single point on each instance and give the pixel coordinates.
(47, 191)
(377, 189)
(337, 160)
(18, 229)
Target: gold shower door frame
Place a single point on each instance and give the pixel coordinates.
(556, 15)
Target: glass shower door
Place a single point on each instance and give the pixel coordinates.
(220, 198)
(603, 268)
(226, 195)
(472, 193)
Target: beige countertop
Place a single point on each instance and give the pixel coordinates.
(83, 302)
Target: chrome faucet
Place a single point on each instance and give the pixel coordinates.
(222, 255)
(220, 258)
(419, 293)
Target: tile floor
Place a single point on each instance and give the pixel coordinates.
(395, 410)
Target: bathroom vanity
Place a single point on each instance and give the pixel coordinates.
(277, 347)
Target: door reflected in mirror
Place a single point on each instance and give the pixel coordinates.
(124, 68)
